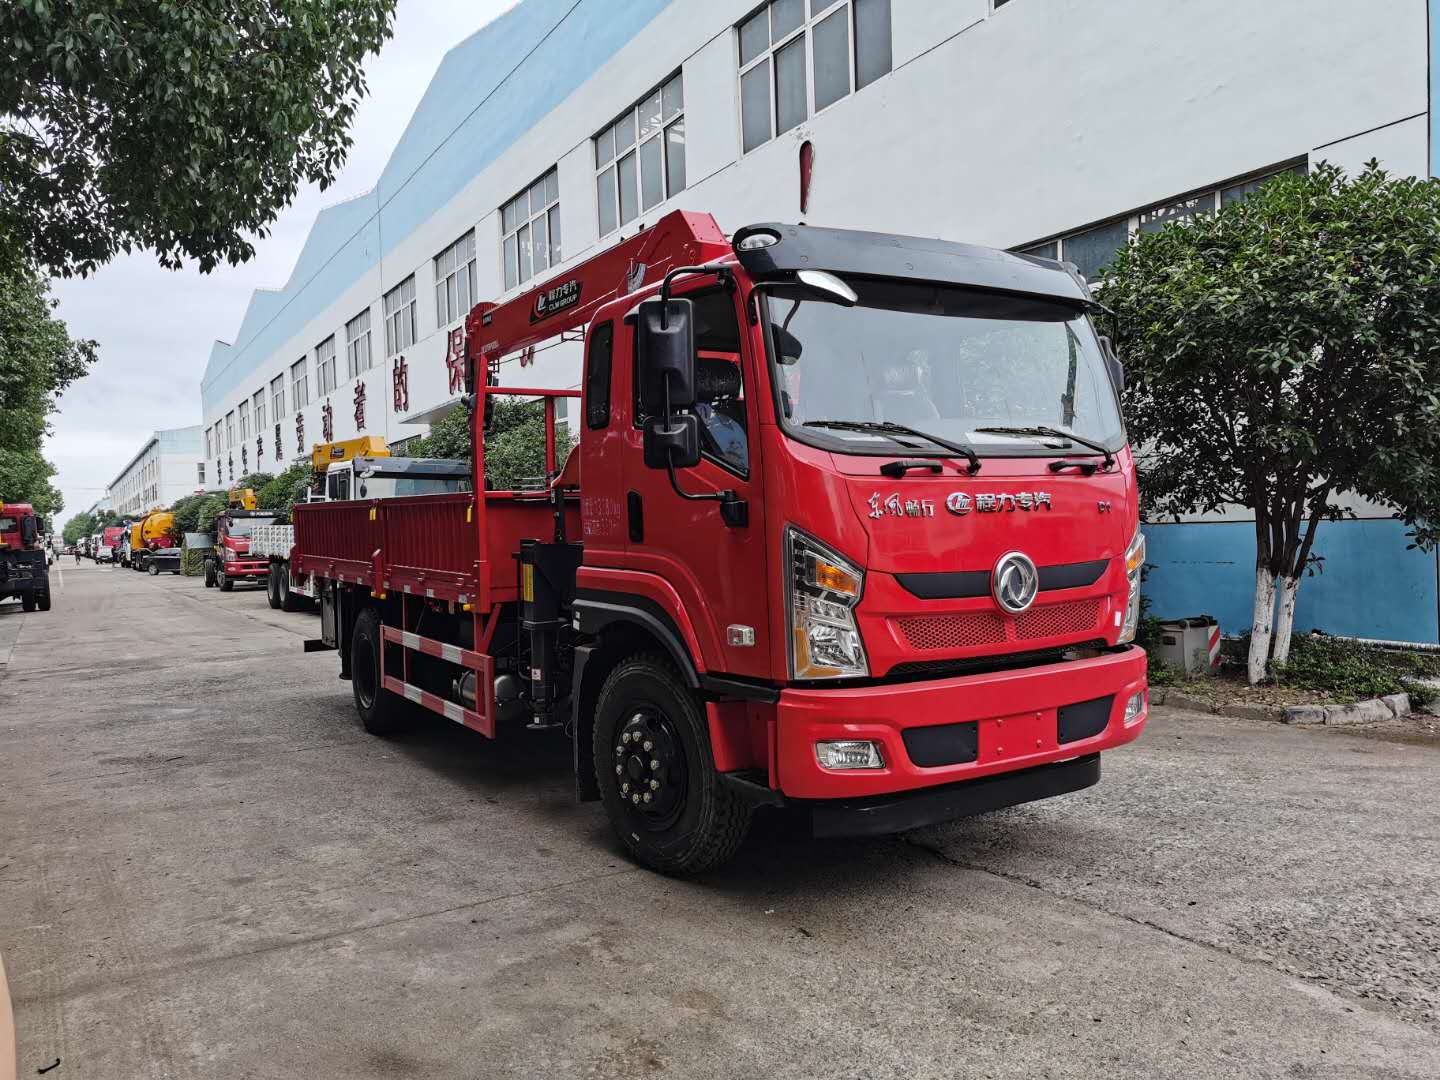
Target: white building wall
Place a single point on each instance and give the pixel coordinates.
(999, 128)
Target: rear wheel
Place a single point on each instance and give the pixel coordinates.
(288, 600)
(382, 712)
(27, 602)
(272, 586)
(154, 569)
(43, 601)
(656, 773)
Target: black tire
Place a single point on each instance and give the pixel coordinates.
(288, 600)
(227, 583)
(154, 569)
(651, 727)
(381, 712)
(210, 581)
(27, 602)
(42, 601)
(272, 587)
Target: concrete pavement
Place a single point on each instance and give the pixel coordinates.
(208, 870)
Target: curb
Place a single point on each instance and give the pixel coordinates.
(1362, 712)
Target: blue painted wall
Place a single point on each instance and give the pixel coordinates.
(1370, 585)
(488, 91)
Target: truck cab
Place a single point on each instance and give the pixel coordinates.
(852, 528)
(231, 560)
(24, 565)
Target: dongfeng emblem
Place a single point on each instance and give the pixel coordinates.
(1015, 582)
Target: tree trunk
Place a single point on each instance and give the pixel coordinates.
(1261, 624)
(1285, 618)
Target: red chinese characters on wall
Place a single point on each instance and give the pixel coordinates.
(360, 406)
(259, 448)
(300, 433)
(327, 422)
(244, 458)
(400, 384)
(455, 359)
(278, 452)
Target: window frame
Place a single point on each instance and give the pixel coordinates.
(611, 165)
(395, 319)
(244, 410)
(469, 268)
(597, 412)
(277, 397)
(353, 366)
(767, 56)
(299, 383)
(554, 253)
(257, 409)
(322, 362)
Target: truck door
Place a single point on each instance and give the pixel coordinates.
(718, 570)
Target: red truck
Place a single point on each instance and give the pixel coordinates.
(232, 561)
(24, 569)
(851, 527)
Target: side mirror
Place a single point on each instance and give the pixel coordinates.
(665, 341)
(28, 531)
(1117, 369)
(673, 440)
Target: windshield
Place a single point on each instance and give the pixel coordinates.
(246, 526)
(944, 360)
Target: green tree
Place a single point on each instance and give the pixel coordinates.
(79, 526)
(182, 126)
(38, 359)
(281, 492)
(211, 507)
(1281, 353)
(514, 443)
(187, 514)
(254, 481)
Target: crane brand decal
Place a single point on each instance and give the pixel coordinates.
(553, 301)
(961, 503)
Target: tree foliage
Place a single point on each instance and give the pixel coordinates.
(514, 443)
(38, 359)
(211, 507)
(1283, 352)
(280, 493)
(176, 125)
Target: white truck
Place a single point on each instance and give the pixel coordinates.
(356, 478)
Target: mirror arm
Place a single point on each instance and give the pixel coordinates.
(722, 272)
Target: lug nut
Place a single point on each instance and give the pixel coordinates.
(654, 785)
(654, 763)
(635, 799)
(619, 750)
(647, 796)
(619, 769)
(649, 746)
(625, 787)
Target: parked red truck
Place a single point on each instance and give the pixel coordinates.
(851, 527)
(24, 568)
(231, 560)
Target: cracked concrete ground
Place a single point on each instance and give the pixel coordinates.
(208, 870)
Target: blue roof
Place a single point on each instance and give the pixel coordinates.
(488, 91)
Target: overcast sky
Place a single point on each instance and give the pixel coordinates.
(155, 327)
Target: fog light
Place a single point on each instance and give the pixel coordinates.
(1136, 708)
(849, 754)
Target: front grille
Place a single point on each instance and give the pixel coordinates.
(968, 630)
(978, 665)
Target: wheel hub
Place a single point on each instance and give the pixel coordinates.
(650, 767)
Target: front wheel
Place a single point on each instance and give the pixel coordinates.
(227, 583)
(154, 569)
(43, 601)
(656, 773)
(381, 712)
(27, 602)
(210, 581)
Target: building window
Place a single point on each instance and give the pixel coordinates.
(640, 158)
(200, 472)
(455, 281)
(325, 365)
(277, 397)
(357, 345)
(400, 317)
(1092, 250)
(257, 403)
(530, 230)
(229, 431)
(244, 420)
(208, 451)
(299, 385)
(798, 57)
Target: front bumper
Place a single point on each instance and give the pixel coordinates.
(1016, 716)
(246, 568)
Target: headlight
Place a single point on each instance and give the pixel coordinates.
(1134, 563)
(823, 590)
(229, 554)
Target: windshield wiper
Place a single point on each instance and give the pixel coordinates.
(1053, 433)
(886, 427)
